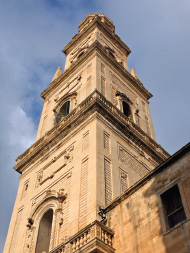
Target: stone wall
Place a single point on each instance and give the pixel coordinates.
(140, 221)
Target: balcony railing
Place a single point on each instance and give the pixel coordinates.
(88, 239)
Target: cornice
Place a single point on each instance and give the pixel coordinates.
(124, 73)
(94, 103)
(96, 23)
(97, 47)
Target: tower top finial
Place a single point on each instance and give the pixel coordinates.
(92, 16)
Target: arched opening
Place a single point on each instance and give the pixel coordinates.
(80, 54)
(111, 54)
(44, 232)
(126, 109)
(65, 109)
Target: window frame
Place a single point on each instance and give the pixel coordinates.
(130, 117)
(162, 210)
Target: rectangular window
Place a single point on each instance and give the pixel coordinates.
(107, 141)
(173, 206)
(25, 188)
(103, 86)
(84, 190)
(108, 181)
(123, 180)
(85, 141)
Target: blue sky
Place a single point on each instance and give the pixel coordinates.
(32, 35)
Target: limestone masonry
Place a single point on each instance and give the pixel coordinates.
(96, 180)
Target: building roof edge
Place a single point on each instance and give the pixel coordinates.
(172, 159)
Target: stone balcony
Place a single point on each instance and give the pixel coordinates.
(96, 237)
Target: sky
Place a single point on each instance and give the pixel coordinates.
(32, 35)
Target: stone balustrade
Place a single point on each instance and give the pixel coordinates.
(84, 240)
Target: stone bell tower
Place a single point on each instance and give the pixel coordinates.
(95, 139)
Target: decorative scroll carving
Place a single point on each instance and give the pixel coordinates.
(68, 157)
(54, 200)
(39, 178)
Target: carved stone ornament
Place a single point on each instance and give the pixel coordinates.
(51, 196)
(39, 178)
(30, 223)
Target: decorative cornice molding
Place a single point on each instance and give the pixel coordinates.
(97, 47)
(96, 23)
(96, 102)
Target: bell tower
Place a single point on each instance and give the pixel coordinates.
(95, 140)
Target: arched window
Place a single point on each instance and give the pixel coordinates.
(65, 109)
(111, 54)
(126, 109)
(44, 232)
(80, 54)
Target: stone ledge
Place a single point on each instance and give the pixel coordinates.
(95, 237)
(95, 102)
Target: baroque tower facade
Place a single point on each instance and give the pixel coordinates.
(95, 140)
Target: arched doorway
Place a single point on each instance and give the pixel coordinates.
(44, 232)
